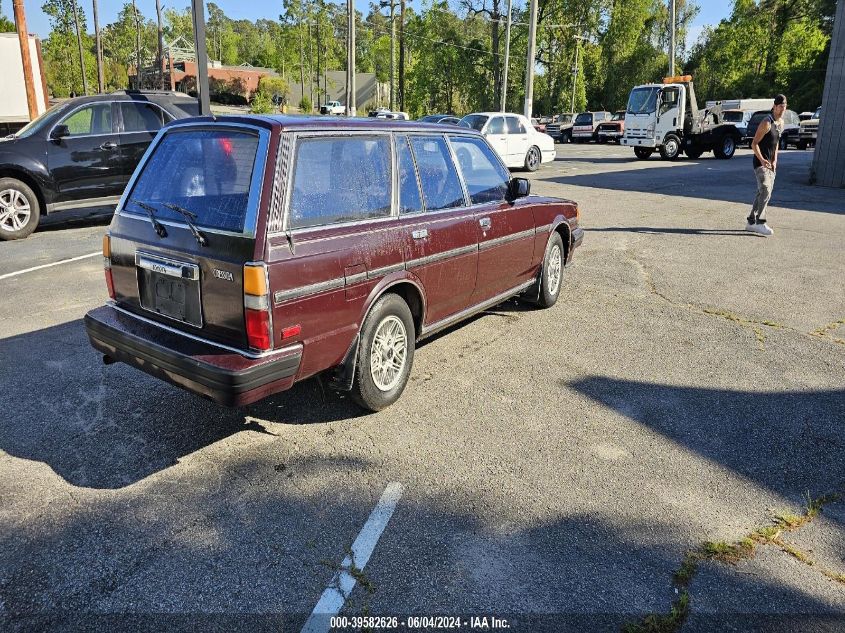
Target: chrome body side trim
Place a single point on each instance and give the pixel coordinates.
(504, 239)
(427, 330)
(294, 293)
(385, 270)
(84, 203)
(543, 229)
(356, 278)
(429, 259)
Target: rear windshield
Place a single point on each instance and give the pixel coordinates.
(474, 121)
(734, 116)
(207, 172)
(585, 118)
(757, 117)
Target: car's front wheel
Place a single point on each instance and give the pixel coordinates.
(19, 209)
(671, 148)
(551, 275)
(532, 159)
(643, 152)
(386, 354)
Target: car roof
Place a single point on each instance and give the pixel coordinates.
(310, 123)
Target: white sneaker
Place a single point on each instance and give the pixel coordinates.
(760, 229)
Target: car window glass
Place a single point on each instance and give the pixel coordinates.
(94, 119)
(585, 118)
(515, 126)
(142, 117)
(485, 178)
(340, 180)
(440, 185)
(668, 99)
(208, 172)
(497, 125)
(410, 200)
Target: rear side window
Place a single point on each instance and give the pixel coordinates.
(485, 177)
(340, 179)
(142, 117)
(515, 126)
(497, 126)
(439, 180)
(207, 172)
(410, 200)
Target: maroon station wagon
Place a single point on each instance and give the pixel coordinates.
(251, 252)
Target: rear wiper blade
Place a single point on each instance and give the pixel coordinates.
(189, 216)
(151, 210)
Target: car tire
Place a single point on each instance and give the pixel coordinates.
(551, 274)
(567, 137)
(387, 337)
(20, 211)
(643, 152)
(671, 148)
(802, 145)
(783, 143)
(533, 158)
(694, 152)
(725, 147)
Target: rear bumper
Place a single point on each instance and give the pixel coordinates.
(203, 368)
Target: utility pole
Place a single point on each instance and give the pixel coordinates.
(507, 61)
(160, 46)
(137, 47)
(392, 5)
(198, 16)
(99, 46)
(351, 105)
(79, 43)
(671, 38)
(26, 58)
(402, 55)
(578, 39)
(301, 53)
(532, 51)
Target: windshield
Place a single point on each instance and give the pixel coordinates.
(208, 172)
(618, 116)
(474, 121)
(41, 122)
(585, 118)
(733, 116)
(757, 117)
(817, 114)
(564, 118)
(643, 100)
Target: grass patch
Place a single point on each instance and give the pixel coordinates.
(794, 552)
(663, 623)
(728, 553)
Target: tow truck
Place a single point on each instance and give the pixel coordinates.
(665, 117)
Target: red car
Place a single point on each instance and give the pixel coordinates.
(612, 130)
(249, 253)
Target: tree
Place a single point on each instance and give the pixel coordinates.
(6, 25)
(61, 56)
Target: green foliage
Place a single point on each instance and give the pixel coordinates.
(273, 86)
(61, 52)
(305, 104)
(6, 25)
(261, 103)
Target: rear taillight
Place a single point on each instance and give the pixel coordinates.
(107, 265)
(259, 322)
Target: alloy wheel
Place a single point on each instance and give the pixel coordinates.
(14, 210)
(553, 274)
(389, 353)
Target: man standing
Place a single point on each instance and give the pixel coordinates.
(765, 146)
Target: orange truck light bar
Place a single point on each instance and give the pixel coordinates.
(677, 79)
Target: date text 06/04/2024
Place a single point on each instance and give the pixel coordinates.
(417, 622)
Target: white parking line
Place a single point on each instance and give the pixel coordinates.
(64, 261)
(331, 602)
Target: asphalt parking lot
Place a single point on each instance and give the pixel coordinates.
(560, 469)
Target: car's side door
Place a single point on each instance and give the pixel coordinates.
(439, 231)
(518, 140)
(505, 229)
(339, 238)
(83, 155)
(497, 135)
(140, 122)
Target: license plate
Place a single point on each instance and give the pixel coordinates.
(170, 288)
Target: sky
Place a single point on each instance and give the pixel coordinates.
(712, 11)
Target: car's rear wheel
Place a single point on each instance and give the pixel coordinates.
(19, 209)
(386, 354)
(532, 159)
(551, 276)
(802, 145)
(643, 152)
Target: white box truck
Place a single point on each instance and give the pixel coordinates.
(14, 110)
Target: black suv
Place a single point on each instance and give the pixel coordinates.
(80, 153)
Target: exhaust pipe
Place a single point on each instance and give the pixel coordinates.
(108, 360)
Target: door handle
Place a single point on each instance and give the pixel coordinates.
(420, 234)
(108, 145)
(485, 223)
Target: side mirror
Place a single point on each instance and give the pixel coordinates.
(519, 188)
(60, 131)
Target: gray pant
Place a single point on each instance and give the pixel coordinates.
(765, 186)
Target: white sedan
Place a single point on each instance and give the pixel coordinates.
(514, 138)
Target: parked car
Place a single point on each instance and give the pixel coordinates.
(252, 252)
(809, 130)
(450, 120)
(377, 111)
(333, 107)
(586, 124)
(789, 133)
(436, 118)
(560, 128)
(739, 118)
(80, 153)
(803, 116)
(611, 130)
(396, 116)
(538, 124)
(513, 138)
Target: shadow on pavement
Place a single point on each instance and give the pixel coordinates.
(673, 231)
